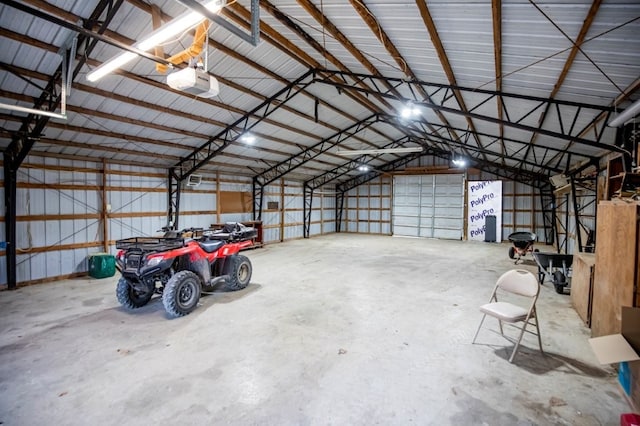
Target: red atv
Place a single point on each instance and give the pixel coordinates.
(181, 265)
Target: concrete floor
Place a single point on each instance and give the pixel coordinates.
(335, 330)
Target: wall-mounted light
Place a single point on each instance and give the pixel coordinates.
(162, 34)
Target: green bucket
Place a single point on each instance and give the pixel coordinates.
(102, 265)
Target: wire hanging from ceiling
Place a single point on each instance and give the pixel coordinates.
(560, 52)
(573, 44)
(369, 55)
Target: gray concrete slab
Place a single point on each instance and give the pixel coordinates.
(341, 329)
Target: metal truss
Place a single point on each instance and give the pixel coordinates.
(567, 113)
(584, 195)
(218, 143)
(279, 170)
(308, 206)
(173, 203)
(33, 124)
(420, 128)
(351, 165)
(548, 205)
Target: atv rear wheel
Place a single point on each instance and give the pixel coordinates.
(239, 270)
(181, 294)
(129, 297)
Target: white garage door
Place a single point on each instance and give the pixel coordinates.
(428, 206)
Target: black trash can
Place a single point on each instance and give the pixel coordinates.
(490, 229)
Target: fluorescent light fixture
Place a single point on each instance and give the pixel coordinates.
(162, 34)
(626, 115)
(32, 111)
(378, 151)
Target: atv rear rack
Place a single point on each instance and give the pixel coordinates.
(150, 243)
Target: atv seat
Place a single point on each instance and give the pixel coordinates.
(211, 246)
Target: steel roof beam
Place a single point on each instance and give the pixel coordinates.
(393, 51)
(341, 170)
(308, 154)
(445, 144)
(434, 88)
(593, 10)
(218, 143)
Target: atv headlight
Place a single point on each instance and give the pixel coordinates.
(154, 261)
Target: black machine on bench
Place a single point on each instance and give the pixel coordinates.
(231, 231)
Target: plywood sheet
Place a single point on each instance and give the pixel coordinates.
(235, 202)
(613, 349)
(616, 268)
(581, 285)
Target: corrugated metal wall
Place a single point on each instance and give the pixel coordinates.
(61, 215)
(368, 207)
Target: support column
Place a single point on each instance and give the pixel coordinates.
(282, 215)
(308, 205)
(105, 210)
(258, 196)
(10, 192)
(218, 204)
(173, 204)
(339, 210)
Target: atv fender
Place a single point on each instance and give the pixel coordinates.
(201, 268)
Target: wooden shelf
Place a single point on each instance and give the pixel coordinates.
(623, 185)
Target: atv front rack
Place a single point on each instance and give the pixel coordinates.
(150, 243)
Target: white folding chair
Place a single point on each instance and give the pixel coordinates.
(522, 283)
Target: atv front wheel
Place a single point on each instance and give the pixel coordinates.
(129, 297)
(512, 253)
(181, 294)
(239, 271)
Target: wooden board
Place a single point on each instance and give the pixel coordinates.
(616, 268)
(581, 285)
(235, 202)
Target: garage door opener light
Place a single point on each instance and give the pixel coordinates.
(162, 34)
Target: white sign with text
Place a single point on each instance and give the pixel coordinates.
(485, 199)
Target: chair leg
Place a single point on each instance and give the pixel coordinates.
(501, 330)
(478, 330)
(535, 314)
(515, 349)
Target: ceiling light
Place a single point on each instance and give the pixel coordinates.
(162, 34)
(363, 168)
(248, 139)
(410, 110)
(378, 151)
(460, 162)
(626, 115)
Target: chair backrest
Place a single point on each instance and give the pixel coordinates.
(520, 282)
